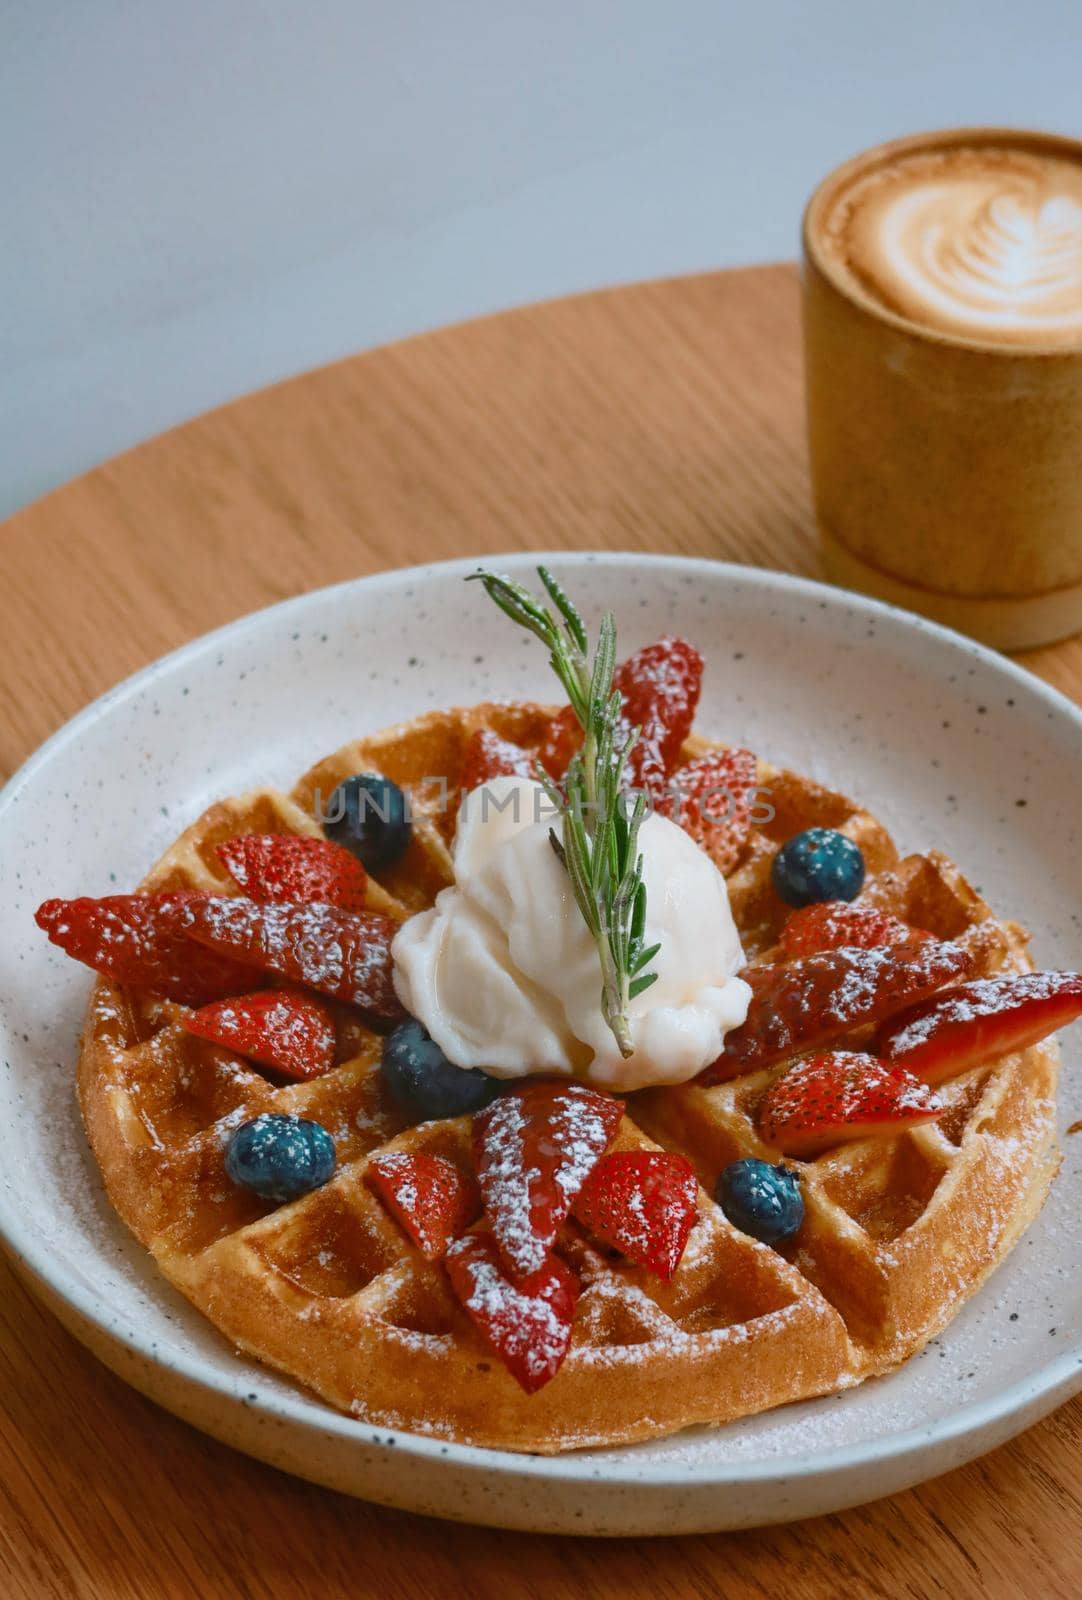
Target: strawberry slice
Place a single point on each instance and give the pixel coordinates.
(660, 687)
(528, 1324)
(832, 924)
(139, 940)
(488, 756)
(340, 953)
(533, 1150)
(563, 738)
(827, 1099)
(429, 1197)
(642, 1202)
(711, 799)
(809, 1002)
(980, 1021)
(279, 1028)
(288, 866)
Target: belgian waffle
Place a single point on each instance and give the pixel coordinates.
(898, 1231)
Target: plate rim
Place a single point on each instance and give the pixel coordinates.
(1049, 1385)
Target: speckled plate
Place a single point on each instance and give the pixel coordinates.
(947, 743)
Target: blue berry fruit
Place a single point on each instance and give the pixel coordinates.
(762, 1200)
(280, 1156)
(424, 1083)
(369, 815)
(818, 864)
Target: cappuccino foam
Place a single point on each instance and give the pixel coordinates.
(982, 243)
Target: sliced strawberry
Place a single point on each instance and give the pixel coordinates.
(533, 1150)
(288, 866)
(809, 1002)
(343, 954)
(659, 686)
(280, 1028)
(528, 1324)
(827, 1099)
(832, 924)
(980, 1021)
(431, 1198)
(642, 1202)
(562, 738)
(487, 756)
(711, 799)
(139, 940)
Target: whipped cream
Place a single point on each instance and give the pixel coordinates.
(985, 244)
(504, 974)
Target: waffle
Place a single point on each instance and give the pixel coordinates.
(898, 1231)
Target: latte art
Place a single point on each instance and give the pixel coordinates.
(981, 246)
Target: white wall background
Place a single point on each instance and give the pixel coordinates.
(201, 196)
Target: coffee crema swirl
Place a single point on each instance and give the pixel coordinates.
(981, 244)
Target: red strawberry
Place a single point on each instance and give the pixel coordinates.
(343, 954)
(533, 1150)
(528, 1324)
(805, 1003)
(431, 1198)
(711, 799)
(827, 1099)
(562, 739)
(139, 940)
(980, 1021)
(660, 686)
(660, 689)
(276, 1027)
(642, 1202)
(288, 866)
(488, 756)
(831, 924)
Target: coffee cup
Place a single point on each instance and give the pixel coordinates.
(943, 349)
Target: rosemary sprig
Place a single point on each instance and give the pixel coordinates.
(598, 841)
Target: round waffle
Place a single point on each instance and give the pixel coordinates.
(898, 1231)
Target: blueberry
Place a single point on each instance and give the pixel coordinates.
(424, 1083)
(762, 1200)
(818, 864)
(280, 1156)
(369, 815)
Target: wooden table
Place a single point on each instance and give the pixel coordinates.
(660, 417)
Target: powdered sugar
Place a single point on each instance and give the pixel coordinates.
(985, 997)
(535, 1150)
(820, 997)
(507, 1184)
(529, 1326)
(340, 953)
(495, 1299)
(398, 1167)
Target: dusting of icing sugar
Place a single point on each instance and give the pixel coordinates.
(295, 1024)
(531, 1331)
(507, 1182)
(524, 1217)
(831, 992)
(340, 953)
(869, 971)
(582, 1137)
(398, 1167)
(985, 997)
(225, 1126)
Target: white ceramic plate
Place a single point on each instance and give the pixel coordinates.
(948, 744)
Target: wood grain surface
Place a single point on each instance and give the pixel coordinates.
(666, 416)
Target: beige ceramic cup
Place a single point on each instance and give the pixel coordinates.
(943, 349)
